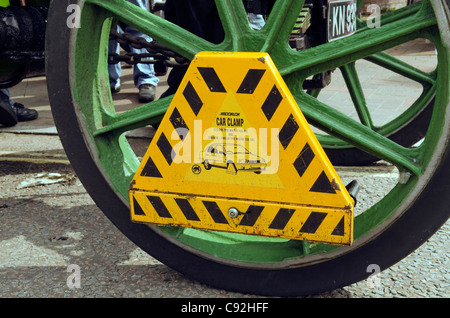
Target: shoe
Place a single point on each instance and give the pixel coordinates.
(115, 89)
(8, 117)
(23, 113)
(146, 93)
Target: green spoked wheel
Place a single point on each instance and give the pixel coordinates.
(93, 135)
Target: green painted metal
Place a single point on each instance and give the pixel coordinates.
(356, 92)
(106, 128)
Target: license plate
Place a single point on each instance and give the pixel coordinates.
(341, 18)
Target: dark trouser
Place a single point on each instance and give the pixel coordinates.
(197, 16)
(202, 19)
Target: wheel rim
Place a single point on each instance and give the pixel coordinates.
(105, 129)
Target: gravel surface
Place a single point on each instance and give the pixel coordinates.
(46, 228)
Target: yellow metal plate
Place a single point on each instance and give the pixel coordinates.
(234, 137)
(317, 224)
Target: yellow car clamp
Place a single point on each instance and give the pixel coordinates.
(234, 153)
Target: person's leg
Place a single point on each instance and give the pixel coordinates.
(144, 74)
(19, 111)
(114, 69)
(199, 17)
(7, 115)
(256, 21)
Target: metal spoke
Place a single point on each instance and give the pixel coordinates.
(135, 118)
(337, 124)
(235, 25)
(395, 65)
(356, 92)
(280, 23)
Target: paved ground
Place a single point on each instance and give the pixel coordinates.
(45, 229)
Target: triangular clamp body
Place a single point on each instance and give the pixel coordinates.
(234, 153)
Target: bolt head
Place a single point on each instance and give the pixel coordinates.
(233, 212)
